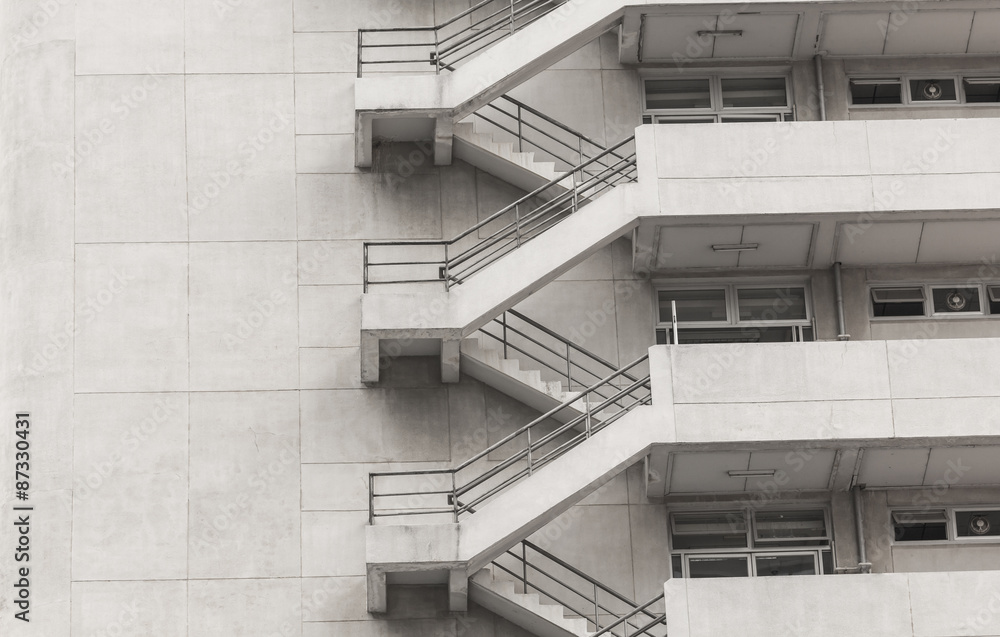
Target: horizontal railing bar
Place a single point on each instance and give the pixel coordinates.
(561, 338)
(495, 26)
(546, 593)
(415, 472)
(577, 572)
(400, 45)
(554, 182)
(414, 512)
(402, 493)
(625, 618)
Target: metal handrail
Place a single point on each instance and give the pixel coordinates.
(535, 454)
(454, 268)
(567, 364)
(662, 619)
(444, 51)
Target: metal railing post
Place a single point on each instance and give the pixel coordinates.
(517, 224)
(529, 450)
(587, 403)
(437, 54)
(360, 48)
(365, 280)
(454, 496)
(371, 498)
(597, 611)
(524, 566)
(569, 370)
(444, 270)
(520, 130)
(673, 321)
(503, 322)
(512, 17)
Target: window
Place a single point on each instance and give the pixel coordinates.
(746, 543)
(716, 99)
(958, 524)
(936, 300)
(728, 313)
(923, 90)
(981, 90)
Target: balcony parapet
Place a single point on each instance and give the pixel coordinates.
(854, 390)
(898, 604)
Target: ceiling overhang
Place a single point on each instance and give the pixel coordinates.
(687, 34)
(815, 240)
(817, 466)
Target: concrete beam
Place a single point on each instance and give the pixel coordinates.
(443, 136)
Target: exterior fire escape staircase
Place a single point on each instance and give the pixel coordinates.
(596, 418)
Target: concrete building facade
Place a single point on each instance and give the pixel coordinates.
(494, 319)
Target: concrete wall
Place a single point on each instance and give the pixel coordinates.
(179, 190)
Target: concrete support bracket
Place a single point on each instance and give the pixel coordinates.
(450, 356)
(369, 358)
(458, 590)
(443, 137)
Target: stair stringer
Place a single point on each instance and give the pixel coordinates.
(457, 313)
(450, 97)
(519, 511)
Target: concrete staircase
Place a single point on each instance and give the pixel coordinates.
(483, 359)
(500, 159)
(447, 98)
(456, 550)
(526, 610)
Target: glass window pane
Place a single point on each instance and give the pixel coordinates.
(826, 557)
(675, 566)
(920, 531)
(708, 119)
(725, 529)
(932, 90)
(746, 334)
(749, 92)
(699, 567)
(954, 300)
(744, 119)
(670, 94)
(978, 91)
(694, 305)
(888, 92)
(994, 292)
(771, 565)
(977, 523)
(788, 525)
(772, 304)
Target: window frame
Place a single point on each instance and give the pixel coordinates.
(906, 99)
(732, 305)
(928, 288)
(753, 547)
(717, 111)
(951, 525)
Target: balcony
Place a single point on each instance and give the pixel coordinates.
(808, 194)
(899, 604)
(806, 416)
